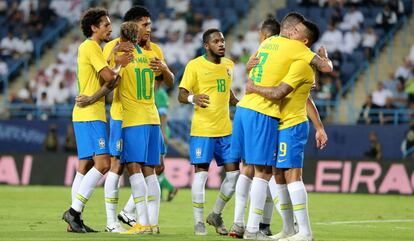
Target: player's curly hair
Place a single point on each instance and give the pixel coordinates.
(92, 17)
(136, 13)
(129, 31)
(271, 25)
(206, 34)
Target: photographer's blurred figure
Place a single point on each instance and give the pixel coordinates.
(374, 151)
(407, 145)
(51, 142)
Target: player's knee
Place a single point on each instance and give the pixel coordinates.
(280, 178)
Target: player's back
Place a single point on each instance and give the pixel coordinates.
(276, 55)
(90, 62)
(293, 106)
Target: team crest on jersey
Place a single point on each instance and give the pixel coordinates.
(119, 145)
(229, 72)
(198, 152)
(101, 143)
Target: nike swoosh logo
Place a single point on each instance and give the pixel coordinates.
(279, 161)
(110, 229)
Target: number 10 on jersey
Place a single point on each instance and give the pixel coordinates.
(142, 77)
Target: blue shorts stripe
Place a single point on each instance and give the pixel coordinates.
(115, 137)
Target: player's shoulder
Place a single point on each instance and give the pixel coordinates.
(196, 61)
(226, 61)
(155, 46)
(111, 43)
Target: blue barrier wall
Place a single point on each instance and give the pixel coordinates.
(344, 141)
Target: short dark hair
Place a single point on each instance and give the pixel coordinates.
(91, 17)
(136, 13)
(206, 34)
(291, 19)
(312, 31)
(271, 25)
(129, 31)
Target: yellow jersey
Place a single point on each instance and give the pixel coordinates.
(116, 106)
(136, 89)
(276, 54)
(204, 77)
(301, 77)
(90, 62)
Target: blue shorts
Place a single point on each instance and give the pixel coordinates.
(292, 142)
(163, 147)
(203, 149)
(141, 144)
(115, 137)
(254, 137)
(91, 139)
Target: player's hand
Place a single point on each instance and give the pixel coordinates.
(124, 59)
(201, 100)
(322, 52)
(321, 138)
(83, 100)
(157, 65)
(249, 86)
(124, 47)
(253, 61)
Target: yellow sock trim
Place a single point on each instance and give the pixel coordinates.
(224, 197)
(258, 211)
(299, 207)
(81, 198)
(285, 206)
(198, 205)
(276, 200)
(113, 200)
(139, 199)
(151, 198)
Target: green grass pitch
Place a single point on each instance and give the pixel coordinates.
(34, 213)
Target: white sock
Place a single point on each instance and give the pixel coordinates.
(226, 191)
(268, 208)
(154, 193)
(86, 188)
(273, 192)
(198, 195)
(111, 196)
(286, 211)
(139, 191)
(130, 205)
(258, 194)
(299, 198)
(242, 194)
(76, 183)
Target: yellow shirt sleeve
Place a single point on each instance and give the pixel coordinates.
(296, 74)
(96, 58)
(189, 78)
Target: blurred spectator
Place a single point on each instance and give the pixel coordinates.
(326, 90)
(400, 98)
(391, 82)
(194, 21)
(352, 40)
(251, 39)
(178, 24)
(70, 141)
(374, 150)
(51, 142)
(353, 18)
(336, 58)
(397, 6)
(66, 57)
(62, 94)
(387, 113)
(239, 77)
(411, 55)
(179, 6)
(44, 103)
(120, 7)
(331, 39)
(407, 145)
(3, 7)
(8, 44)
(25, 46)
(336, 17)
(380, 96)
(386, 18)
(409, 89)
(69, 9)
(368, 114)
(28, 6)
(237, 46)
(25, 94)
(369, 39)
(3, 68)
(210, 22)
(161, 26)
(405, 71)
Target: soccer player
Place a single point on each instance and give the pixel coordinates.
(294, 90)
(270, 27)
(90, 122)
(206, 84)
(254, 137)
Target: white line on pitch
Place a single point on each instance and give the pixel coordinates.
(366, 221)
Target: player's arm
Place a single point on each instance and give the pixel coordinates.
(253, 61)
(106, 88)
(320, 136)
(163, 119)
(166, 75)
(109, 74)
(272, 93)
(185, 97)
(233, 99)
(321, 61)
